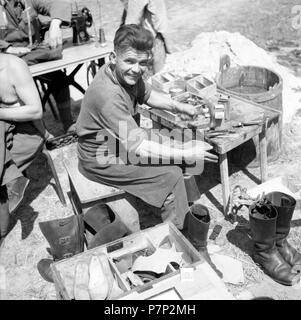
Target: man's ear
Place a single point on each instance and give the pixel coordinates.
(112, 57)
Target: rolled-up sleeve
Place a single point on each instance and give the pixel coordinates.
(56, 9)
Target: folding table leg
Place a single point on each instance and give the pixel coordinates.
(224, 172)
(55, 176)
(263, 156)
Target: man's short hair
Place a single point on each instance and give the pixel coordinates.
(133, 36)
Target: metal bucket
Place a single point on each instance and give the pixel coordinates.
(262, 86)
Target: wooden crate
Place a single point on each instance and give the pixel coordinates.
(165, 81)
(202, 281)
(202, 87)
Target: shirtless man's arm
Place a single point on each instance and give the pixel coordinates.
(22, 89)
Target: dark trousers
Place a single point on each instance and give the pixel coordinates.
(22, 143)
(57, 81)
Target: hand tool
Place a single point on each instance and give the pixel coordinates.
(247, 123)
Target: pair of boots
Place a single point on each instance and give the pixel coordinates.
(270, 225)
(196, 228)
(66, 238)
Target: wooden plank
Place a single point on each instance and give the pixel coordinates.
(86, 189)
(225, 144)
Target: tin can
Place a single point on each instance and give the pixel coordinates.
(225, 100)
(102, 38)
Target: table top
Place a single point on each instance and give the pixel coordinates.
(73, 55)
(241, 110)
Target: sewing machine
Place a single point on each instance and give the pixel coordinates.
(80, 21)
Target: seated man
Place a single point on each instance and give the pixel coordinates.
(107, 130)
(21, 133)
(16, 40)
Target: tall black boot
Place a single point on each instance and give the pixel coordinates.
(285, 206)
(263, 229)
(66, 238)
(196, 230)
(4, 213)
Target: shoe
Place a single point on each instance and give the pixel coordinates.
(44, 268)
(263, 219)
(196, 228)
(66, 238)
(15, 191)
(285, 206)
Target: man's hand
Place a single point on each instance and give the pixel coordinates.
(55, 37)
(17, 50)
(187, 111)
(197, 150)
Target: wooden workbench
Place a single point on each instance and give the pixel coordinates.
(241, 110)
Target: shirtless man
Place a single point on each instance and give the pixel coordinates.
(21, 133)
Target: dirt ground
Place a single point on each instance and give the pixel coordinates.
(259, 21)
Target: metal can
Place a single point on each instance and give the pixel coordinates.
(102, 38)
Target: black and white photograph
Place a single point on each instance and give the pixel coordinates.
(150, 150)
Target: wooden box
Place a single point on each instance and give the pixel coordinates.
(165, 81)
(201, 87)
(195, 279)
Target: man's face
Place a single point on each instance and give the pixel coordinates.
(131, 65)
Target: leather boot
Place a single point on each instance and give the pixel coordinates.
(44, 268)
(285, 206)
(66, 238)
(4, 214)
(263, 229)
(108, 232)
(197, 228)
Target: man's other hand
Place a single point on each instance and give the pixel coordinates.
(17, 50)
(186, 110)
(55, 37)
(199, 150)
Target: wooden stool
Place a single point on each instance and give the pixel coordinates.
(86, 194)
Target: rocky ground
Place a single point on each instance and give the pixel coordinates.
(260, 21)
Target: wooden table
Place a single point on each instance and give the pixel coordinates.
(241, 110)
(73, 56)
